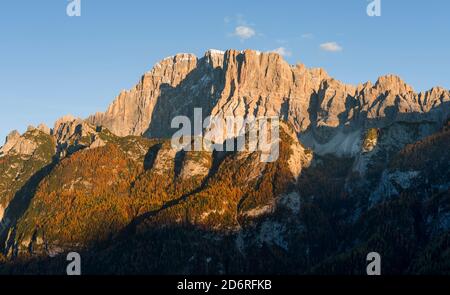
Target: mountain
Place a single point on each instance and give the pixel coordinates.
(240, 83)
(361, 168)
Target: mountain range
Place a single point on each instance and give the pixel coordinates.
(362, 168)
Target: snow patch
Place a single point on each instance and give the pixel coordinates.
(169, 58)
(215, 52)
(342, 144)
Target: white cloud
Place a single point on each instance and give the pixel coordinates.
(307, 36)
(282, 51)
(331, 47)
(244, 32)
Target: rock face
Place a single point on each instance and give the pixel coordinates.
(11, 141)
(72, 133)
(25, 144)
(195, 164)
(97, 142)
(165, 160)
(299, 158)
(44, 128)
(131, 112)
(17, 144)
(251, 83)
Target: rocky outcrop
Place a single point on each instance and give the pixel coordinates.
(11, 140)
(165, 160)
(25, 144)
(300, 157)
(17, 144)
(72, 134)
(68, 126)
(196, 164)
(44, 128)
(97, 142)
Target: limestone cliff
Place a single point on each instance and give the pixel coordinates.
(252, 83)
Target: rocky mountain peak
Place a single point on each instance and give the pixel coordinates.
(12, 136)
(22, 145)
(392, 83)
(254, 83)
(215, 58)
(44, 128)
(171, 70)
(11, 140)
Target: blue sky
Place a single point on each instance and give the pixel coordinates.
(52, 64)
